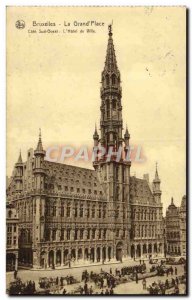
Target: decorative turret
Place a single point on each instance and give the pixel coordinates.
(39, 171)
(156, 186)
(19, 173)
(96, 137)
(126, 137)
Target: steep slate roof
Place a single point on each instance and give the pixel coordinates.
(139, 188)
(74, 177)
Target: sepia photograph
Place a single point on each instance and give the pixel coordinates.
(96, 197)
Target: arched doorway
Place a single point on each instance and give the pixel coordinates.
(92, 254)
(43, 259)
(65, 256)
(58, 257)
(80, 254)
(119, 251)
(86, 254)
(109, 253)
(144, 249)
(104, 253)
(138, 251)
(51, 258)
(150, 249)
(132, 251)
(98, 254)
(73, 254)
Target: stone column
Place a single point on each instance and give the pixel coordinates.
(76, 254)
(83, 256)
(95, 254)
(135, 251)
(101, 253)
(47, 259)
(16, 261)
(54, 258)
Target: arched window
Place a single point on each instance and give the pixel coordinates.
(107, 79)
(113, 79)
(114, 104)
(93, 211)
(81, 211)
(68, 210)
(99, 211)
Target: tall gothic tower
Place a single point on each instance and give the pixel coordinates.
(113, 170)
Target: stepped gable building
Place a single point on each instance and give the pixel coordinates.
(173, 229)
(69, 214)
(182, 218)
(12, 248)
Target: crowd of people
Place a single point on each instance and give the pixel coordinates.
(20, 288)
(102, 282)
(161, 287)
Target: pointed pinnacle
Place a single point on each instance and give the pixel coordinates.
(39, 145)
(20, 158)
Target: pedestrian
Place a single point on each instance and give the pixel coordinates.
(176, 271)
(176, 289)
(171, 270)
(107, 292)
(57, 281)
(144, 284)
(177, 280)
(167, 272)
(136, 278)
(166, 284)
(86, 288)
(91, 290)
(64, 291)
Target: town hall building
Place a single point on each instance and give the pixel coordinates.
(70, 215)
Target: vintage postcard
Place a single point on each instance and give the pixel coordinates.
(96, 151)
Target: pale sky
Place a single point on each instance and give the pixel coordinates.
(53, 83)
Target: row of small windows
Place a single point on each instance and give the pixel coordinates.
(77, 234)
(111, 79)
(143, 231)
(9, 240)
(144, 215)
(78, 211)
(173, 234)
(72, 189)
(11, 228)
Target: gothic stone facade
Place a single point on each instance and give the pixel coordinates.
(71, 214)
(12, 248)
(176, 228)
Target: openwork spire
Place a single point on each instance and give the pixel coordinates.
(156, 174)
(20, 158)
(95, 136)
(39, 145)
(110, 62)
